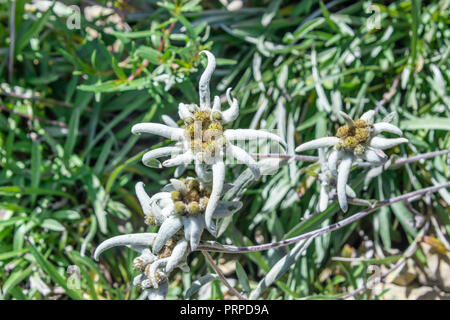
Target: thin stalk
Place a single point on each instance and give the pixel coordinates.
(212, 246)
(221, 275)
(399, 161)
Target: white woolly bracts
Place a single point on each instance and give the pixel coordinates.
(154, 268)
(357, 139)
(182, 205)
(203, 139)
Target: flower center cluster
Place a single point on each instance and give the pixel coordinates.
(353, 138)
(166, 251)
(205, 132)
(193, 201)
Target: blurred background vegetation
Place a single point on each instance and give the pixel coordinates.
(71, 87)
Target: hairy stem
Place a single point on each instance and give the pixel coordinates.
(221, 275)
(399, 161)
(212, 246)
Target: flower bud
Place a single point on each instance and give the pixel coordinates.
(176, 195)
(350, 142)
(180, 207)
(216, 115)
(361, 134)
(360, 123)
(342, 131)
(359, 149)
(193, 208)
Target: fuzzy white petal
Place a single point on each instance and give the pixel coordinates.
(169, 121)
(218, 169)
(216, 105)
(350, 192)
(343, 173)
(153, 269)
(232, 112)
(179, 170)
(182, 159)
(167, 211)
(157, 213)
(144, 199)
(333, 158)
(159, 196)
(146, 257)
(149, 158)
(322, 160)
(323, 198)
(205, 79)
(140, 239)
(178, 255)
(203, 172)
(240, 155)
(318, 143)
(386, 127)
(197, 226)
(249, 134)
(368, 116)
(166, 231)
(183, 111)
(179, 185)
(375, 156)
(158, 129)
(346, 118)
(385, 143)
(137, 281)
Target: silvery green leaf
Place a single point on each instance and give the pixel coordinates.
(197, 284)
(322, 100)
(385, 143)
(158, 129)
(280, 267)
(136, 239)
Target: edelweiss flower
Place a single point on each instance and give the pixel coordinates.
(182, 204)
(204, 140)
(328, 183)
(152, 278)
(357, 139)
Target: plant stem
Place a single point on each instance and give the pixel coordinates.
(221, 275)
(212, 246)
(399, 161)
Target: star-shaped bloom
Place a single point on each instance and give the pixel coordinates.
(181, 205)
(204, 140)
(359, 139)
(328, 183)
